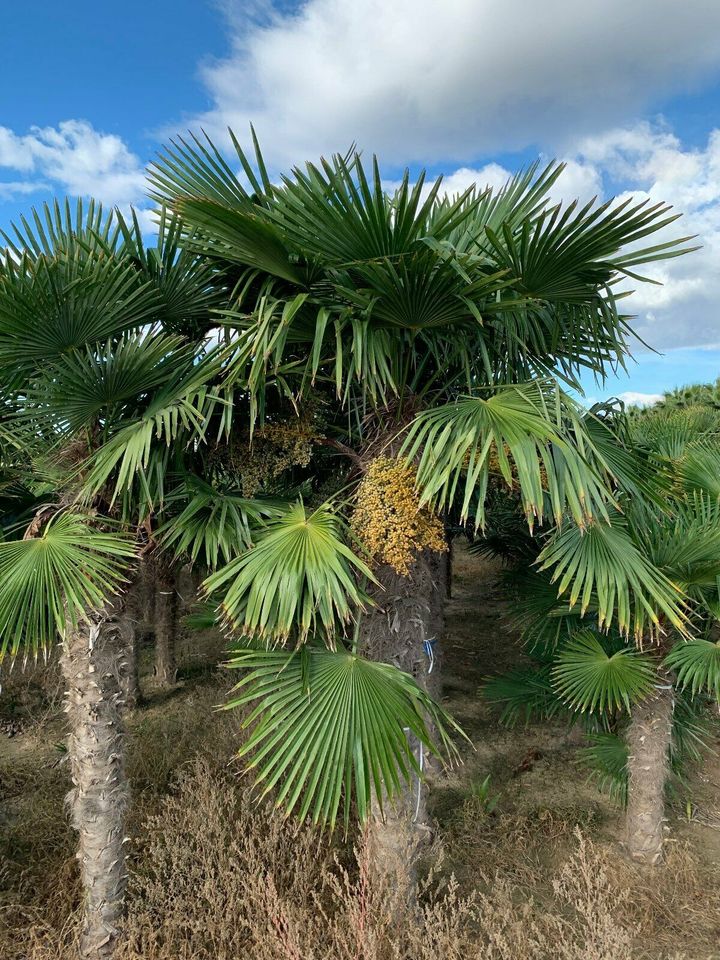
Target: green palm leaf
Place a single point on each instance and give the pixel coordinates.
(592, 680)
(189, 288)
(607, 757)
(50, 581)
(330, 727)
(526, 694)
(299, 576)
(214, 525)
(686, 544)
(108, 382)
(699, 468)
(178, 412)
(52, 305)
(519, 432)
(604, 568)
(697, 666)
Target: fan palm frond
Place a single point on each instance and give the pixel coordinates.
(604, 568)
(103, 384)
(214, 525)
(178, 412)
(50, 581)
(330, 727)
(517, 433)
(190, 288)
(526, 694)
(589, 679)
(696, 664)
(299, 576)
(79, 300)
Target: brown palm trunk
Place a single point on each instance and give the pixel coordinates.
(131, 622)
(649, 737)
(409, 613)
(166, 625)
(91, 665)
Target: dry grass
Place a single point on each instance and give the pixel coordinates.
(217, 877)
(214, 876)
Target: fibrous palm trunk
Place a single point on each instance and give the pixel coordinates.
(91, 665)
(404, 629)
(136, 614)
(649, 738)
(166, 625)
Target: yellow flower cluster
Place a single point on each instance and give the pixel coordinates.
(388, 519)
(275, 448)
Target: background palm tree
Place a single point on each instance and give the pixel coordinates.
(651, 691)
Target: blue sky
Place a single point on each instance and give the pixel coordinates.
(627, 94)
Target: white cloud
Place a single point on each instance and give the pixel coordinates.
(416, 80)
(653, 164)
(10, 189)
(76, 158)
(634, 399)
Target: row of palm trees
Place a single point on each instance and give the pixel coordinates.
(228, 398)
(637, 700)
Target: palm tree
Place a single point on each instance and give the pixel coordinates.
(428, 331)
(651, 690)
(94, 393)
(696, 394)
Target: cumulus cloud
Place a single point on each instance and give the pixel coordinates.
(76, 159)
(653, 164)
(634, 399)
(415, 80)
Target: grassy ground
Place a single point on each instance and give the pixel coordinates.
(193, 832)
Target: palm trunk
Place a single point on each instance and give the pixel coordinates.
(649, 737)
(166, 624)
(403, 629)
(91, 659)
(130, 625)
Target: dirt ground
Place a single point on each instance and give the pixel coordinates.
(522, 833)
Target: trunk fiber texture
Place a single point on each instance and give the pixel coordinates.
(409, 613)
(137, 621)
(649, 737)
(92, 664)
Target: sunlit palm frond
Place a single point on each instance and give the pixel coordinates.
(685, 544)
(330, 728)
(602, 567)
(51, 581)
(519, 434)
(299, 577)
(82, 229)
